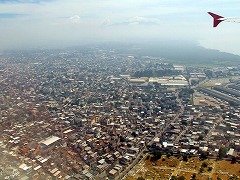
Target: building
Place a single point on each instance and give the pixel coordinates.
(49, 142)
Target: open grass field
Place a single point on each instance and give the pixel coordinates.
(166, 168)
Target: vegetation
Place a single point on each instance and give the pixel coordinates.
(157, 154)
(185, 158)
(204, 164)
(164, 166)
(186, 95)
(178, 178)
(209, 169)
(194, 176)
(222, 152)
(234, 160)
(203, 155)
(181, 178)
(140, 178)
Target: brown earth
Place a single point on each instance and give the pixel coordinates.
(165, 168)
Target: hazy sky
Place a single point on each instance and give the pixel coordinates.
(59, 23)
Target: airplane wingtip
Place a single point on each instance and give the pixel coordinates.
(216, 19)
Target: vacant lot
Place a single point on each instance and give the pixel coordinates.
(225, 169)
(165, 168)
(204, 100)
(168, 162)
(193, 164)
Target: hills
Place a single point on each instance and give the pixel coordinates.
(179, 52)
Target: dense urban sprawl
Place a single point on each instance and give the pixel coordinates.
(93, 113)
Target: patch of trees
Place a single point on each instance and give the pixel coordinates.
(185, 158)
(204, 155)
(157, 154)
(140, 178)
(185, 92)
(222, 152)
(194, 176)
(234, 160)
(178, 178)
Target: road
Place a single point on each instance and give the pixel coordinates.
(123, 174)
(213, 128)
(159, 135)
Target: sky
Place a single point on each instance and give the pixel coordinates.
(62, 23)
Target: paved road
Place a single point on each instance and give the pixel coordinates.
(159, 135)
(220, 120)
(123, 174)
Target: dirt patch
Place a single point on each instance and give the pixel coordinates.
(204, 100)
(165, 167)
(226, 168)
(168, 162)
(193, 164)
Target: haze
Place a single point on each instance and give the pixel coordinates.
(61, 23)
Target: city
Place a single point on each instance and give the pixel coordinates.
(94, 113)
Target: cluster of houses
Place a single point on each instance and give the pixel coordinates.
(79, 115)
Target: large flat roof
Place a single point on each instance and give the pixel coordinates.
(50, 140)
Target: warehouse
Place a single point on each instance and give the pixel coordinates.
(49, 142)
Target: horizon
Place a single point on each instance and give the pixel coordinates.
(27, 24)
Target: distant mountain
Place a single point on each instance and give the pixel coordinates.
(178, 52)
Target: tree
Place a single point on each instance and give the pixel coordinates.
(204, 164)
(169, 155)
(156, 155)
(181, 178)
(174, 178)
(222, 152)
(234, 160)
(140, 178)
(210, 169)
(185, 158)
